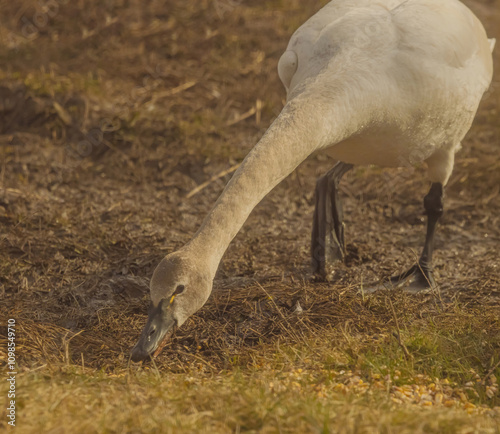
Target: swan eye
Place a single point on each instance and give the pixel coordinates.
(178, 290)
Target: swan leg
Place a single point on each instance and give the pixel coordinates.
(327, 240)
(420, 276)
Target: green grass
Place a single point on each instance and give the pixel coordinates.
(336, 383)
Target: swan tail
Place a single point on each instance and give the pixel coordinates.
(287, 66)
(492, 43)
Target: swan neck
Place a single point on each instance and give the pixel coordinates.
(294, 135)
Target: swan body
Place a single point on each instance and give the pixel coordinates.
(414, 70)
(385, 82)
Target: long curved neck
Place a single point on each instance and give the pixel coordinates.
(294, 135)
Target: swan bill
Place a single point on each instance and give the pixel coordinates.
(156, 333)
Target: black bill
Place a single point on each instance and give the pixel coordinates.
(159, 327)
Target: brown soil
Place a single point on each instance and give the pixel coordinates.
(112, 113)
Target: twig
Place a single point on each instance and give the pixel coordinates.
(66, 344)
(214, 178)
(397, 333)
(245, 115)
(170, 92)
(258, 111)
(37, 368)
(62, 113)
(497, 364)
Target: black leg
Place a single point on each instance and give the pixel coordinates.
(327, 241)
(420, 276)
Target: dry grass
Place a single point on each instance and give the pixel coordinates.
(257, 400)
(111, 114)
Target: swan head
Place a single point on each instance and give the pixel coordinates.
(179, 287)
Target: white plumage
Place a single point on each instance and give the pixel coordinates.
(411, 73)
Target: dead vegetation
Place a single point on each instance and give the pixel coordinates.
(112, 116)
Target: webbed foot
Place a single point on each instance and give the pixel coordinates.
(417, 278)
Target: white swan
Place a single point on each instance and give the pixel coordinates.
(386, 82)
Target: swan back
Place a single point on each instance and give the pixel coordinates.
(380, 39)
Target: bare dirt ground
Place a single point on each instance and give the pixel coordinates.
(113, 112)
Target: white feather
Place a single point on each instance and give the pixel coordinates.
(408, 76)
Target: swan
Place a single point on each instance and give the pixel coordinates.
(385, 82)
